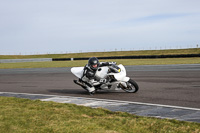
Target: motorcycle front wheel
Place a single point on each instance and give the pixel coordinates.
(132, 86)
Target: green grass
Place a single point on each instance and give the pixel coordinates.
(105, 54)
(23, 115)
(163, 61)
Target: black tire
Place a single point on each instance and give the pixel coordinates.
(132, 86)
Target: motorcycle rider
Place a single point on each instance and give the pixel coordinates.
(90, 70)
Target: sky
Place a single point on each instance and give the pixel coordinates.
(72, 26)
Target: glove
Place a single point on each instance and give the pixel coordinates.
(112, 63)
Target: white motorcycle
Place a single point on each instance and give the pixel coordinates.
(117, 81)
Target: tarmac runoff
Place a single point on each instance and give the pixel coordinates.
(25, 60)
(137, 108)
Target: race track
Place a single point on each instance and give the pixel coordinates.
(176, 85)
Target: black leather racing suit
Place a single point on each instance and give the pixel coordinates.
(89, 74)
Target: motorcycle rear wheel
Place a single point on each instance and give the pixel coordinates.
(132, 86)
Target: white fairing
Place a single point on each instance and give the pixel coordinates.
(122, 75)
(77, 71)
(102, 72)
(119, 76)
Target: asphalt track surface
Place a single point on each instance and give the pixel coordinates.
(176, 85)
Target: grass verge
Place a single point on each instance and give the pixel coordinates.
(163, 61)
(107, 54)
(24, 115)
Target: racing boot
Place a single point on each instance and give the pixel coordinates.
(91, 90)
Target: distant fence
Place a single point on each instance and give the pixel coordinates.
(112, 57)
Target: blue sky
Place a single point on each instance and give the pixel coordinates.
(63, 26)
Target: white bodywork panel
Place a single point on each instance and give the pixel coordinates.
(77, 71)
(102, 73)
